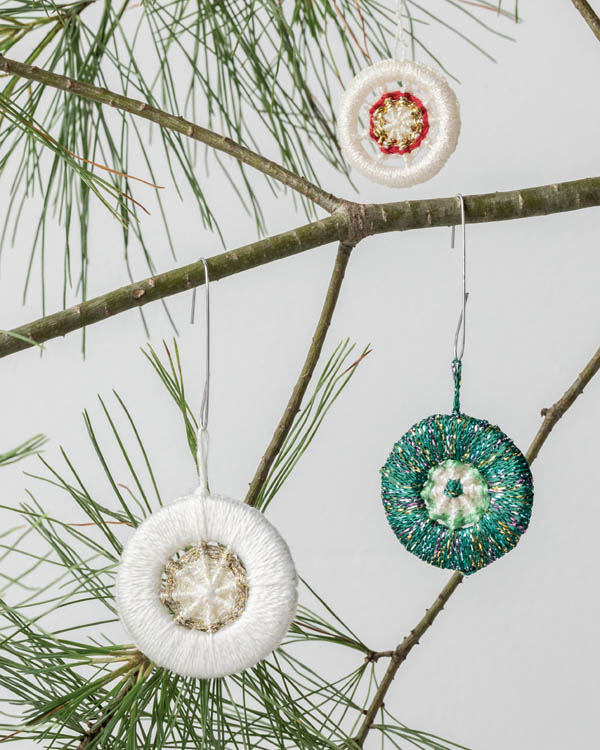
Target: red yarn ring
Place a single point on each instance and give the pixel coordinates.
(395, 95)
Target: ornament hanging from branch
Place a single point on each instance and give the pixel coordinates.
(398, 120)
(456, 490)
(206, 586)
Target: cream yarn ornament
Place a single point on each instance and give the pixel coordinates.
(398, 122)
(226, 606)
(206, 586)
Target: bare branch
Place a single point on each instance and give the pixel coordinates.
(350, 223)
(402, 651)
(178, 124)
(555, 412)
(590, 16)
(312, 357)
(551, 417)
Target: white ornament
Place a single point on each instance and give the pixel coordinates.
(206, 586)
(398, 122)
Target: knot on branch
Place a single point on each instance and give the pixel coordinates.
(358, 221)
(371, 657)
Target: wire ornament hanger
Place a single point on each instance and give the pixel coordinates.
(202, 439)
(462, 320)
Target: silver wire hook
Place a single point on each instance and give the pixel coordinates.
(462, 321)
(206, 393)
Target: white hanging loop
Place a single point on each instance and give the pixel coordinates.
(202, 436)
(399, 40)
(462, 320)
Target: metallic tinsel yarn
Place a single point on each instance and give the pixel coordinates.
(457, 491)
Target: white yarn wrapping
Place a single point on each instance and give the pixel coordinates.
(399, 170)
(271, 577)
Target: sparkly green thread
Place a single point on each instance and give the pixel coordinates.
(457, 437)
(454, 488)
(456, 372)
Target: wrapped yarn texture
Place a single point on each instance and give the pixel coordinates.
(457, 492)
(398, 122)
(206, 586)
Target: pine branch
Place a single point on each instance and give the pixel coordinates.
(172, 122)
(590, 16)
(351, 222)
(138, 665)
(312, 357)
(29, 448)
(551, 417)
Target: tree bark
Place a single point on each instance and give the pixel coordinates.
(590, 16)
(350, 223)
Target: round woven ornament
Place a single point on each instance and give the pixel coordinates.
(457, 491)
(398, 122)
(206, 586)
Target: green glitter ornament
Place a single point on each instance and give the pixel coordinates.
(456, 490)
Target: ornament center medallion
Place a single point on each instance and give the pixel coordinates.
(205, 588)
(398, 122)
(455, 494)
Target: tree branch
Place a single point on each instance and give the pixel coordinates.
(402, 651)
(312, 357)
(589, 15)
(139, 665)
(172, 122)
(349, 223)
(551, 417)
(555, 412)
(172, 282)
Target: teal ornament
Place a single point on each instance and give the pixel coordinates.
(456, 490)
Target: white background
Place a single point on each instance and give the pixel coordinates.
(512, 661)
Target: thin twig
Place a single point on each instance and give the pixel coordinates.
(178, 124)
(401, 652)
(375, 219)
(28, 124)
(312, 357)
(482, 6)
(90, 736)
(555, 412)
(363, 48)
(590, 16)
(551, 417)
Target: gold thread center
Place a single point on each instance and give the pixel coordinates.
(397, 123)
(205, 587)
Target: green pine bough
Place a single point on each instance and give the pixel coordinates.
(86, 695)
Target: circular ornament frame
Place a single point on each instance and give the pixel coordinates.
(421, 157)
(508, 492)
(272, 582)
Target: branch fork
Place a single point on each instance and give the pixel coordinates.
(348, 223)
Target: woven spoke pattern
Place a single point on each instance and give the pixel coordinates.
(205, 588)
(419, 462)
